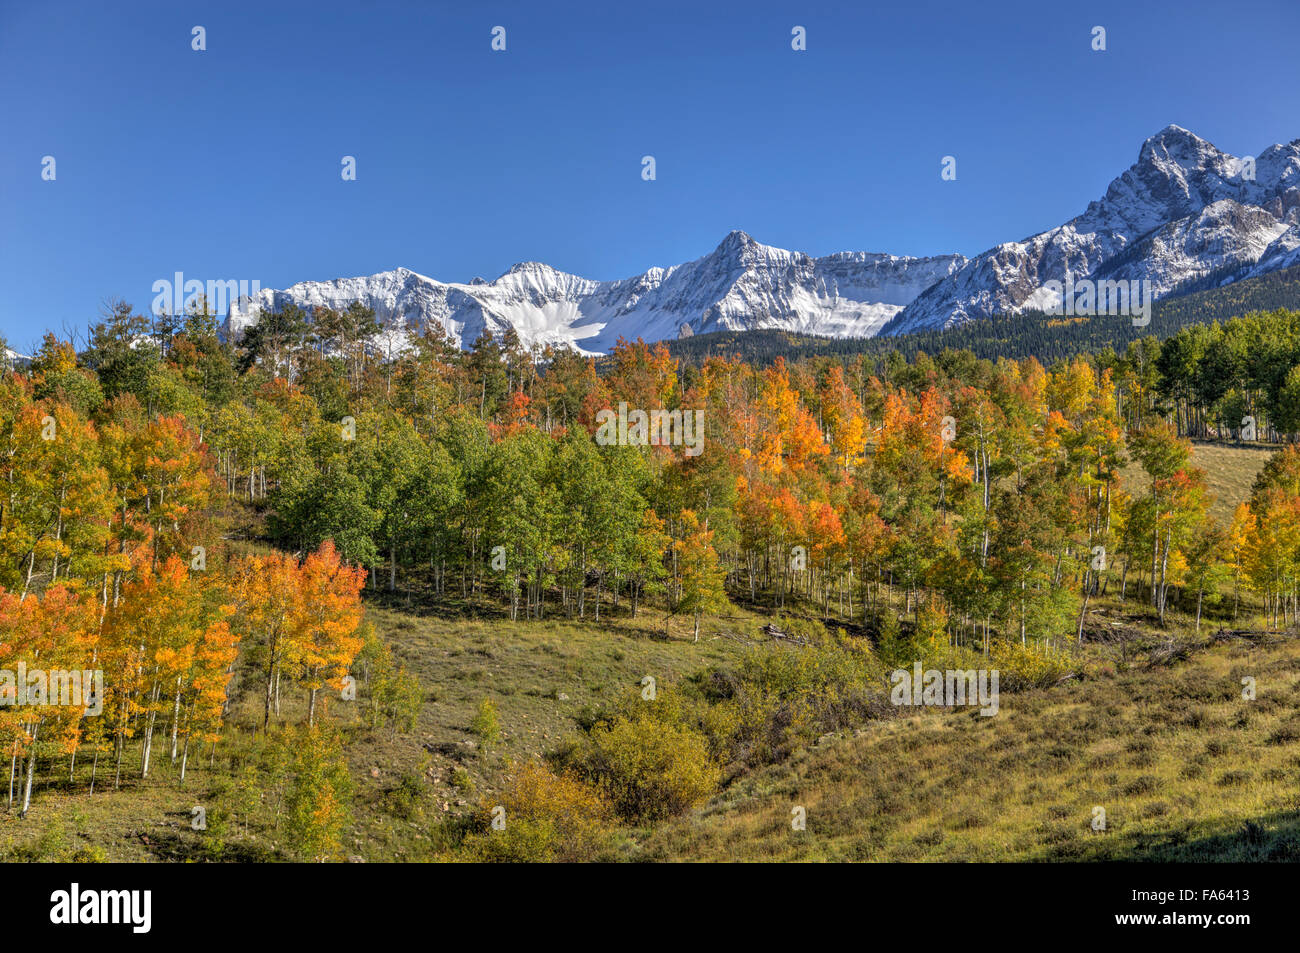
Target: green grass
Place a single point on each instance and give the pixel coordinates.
(539, 675)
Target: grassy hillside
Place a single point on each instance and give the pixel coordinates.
(1151, 726)
(1185, 769)
(538, 675)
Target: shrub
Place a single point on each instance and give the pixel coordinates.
(549, 817)
(932, 625)
(461, 780)
(1021, 667)
(786, 697)
(394, 695)
(799, 628)
(894, 648)
(406, 799)
(523, 841)
(650, 770)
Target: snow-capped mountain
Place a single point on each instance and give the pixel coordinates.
(741, 285)
(1185, 210)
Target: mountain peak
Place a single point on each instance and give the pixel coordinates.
(531, 268)
(739, 248)
(740, 285)
(1176, 143)
(736, 240)
(1182, 212)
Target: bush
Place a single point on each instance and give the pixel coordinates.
(648, 769)
(786, 697)
(932, 625)
(319, 796)
(394, 695)
(1021, 667)
(50, 847)
(461, 780)
(894, 648)
(406, 799)
(549, 817)
(523, 841)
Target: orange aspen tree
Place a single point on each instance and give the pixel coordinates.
(324, 639)
(53, 637)
(267, 599)
(203, 700)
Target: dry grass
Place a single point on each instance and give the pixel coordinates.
(1230, 471)
(1184, 768)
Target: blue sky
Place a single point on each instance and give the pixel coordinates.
(226, 163)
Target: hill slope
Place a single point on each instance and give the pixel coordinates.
(1184, 768)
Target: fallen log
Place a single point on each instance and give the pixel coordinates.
(1250, 635)
(772, 632)
(1168, 654)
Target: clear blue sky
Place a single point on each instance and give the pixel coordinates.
(225, 163)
